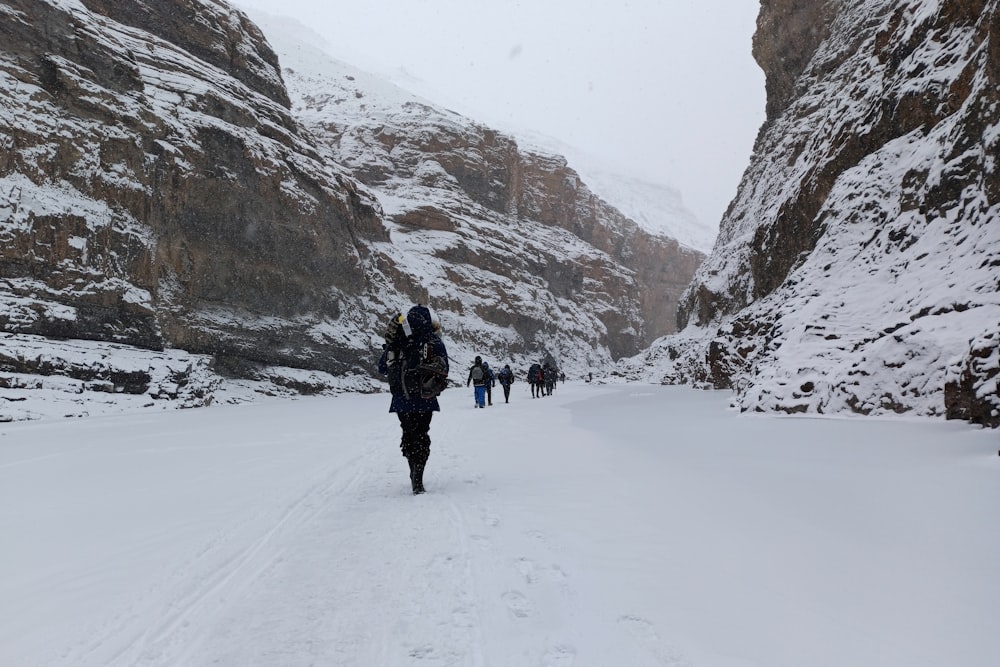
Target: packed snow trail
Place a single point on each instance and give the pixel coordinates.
(599, 526)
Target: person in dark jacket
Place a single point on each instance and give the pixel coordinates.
(420, 327)
(549, 375)
(533, 372)
(506, 378)
(491, 381)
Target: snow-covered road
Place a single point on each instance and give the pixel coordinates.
(600, 526)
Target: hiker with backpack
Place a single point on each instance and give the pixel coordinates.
(479, 378)
(549, 379)
(506, 378)
(491, 381)
(416, 362)
(533, 371)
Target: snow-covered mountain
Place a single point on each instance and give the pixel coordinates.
(161, 188)
(657, 208)
(497, 232)
(858, 268)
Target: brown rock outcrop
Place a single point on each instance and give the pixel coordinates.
(524, 239)
(859, 255)
(162, 192)
(159, 190)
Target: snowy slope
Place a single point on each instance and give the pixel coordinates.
(502, 236)
(636, 526)
(159, 192)
(658, 209)
(859, 261)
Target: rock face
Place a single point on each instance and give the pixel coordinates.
(974, 385)
(160, 188)
(859, 262)
(151, 197)
(498, 235)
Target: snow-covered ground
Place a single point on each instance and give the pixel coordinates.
(603, 526)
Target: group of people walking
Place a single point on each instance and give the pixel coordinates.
(542, 378)
(483, 379)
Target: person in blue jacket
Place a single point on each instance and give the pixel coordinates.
(420, 327)
(480, 378)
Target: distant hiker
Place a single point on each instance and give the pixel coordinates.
(416, 362)
(479, 378)
(548, 379)
(491, 381)
(533, 372)
(506, 378)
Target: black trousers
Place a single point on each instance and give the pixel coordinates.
(416, 441)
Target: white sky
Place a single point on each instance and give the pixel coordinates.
(664, 91)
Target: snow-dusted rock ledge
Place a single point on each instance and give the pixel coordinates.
(41, 378)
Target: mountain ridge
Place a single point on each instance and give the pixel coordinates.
(153, 197)
(856, 270)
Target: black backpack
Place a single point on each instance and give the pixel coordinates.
(415, 371)
(425, 373)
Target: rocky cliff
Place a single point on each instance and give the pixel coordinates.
(156, 190)
(514, 250)
(858, 267)
(160, 188)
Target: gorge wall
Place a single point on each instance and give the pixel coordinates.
(161, 188)
(858, 267)
(510, 245)
(157, 198)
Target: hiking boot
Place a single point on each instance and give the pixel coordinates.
(417, 479)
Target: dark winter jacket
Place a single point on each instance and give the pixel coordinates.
(421, 331)
(505, 376)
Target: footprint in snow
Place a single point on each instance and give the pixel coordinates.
(518, 604)
(534, 573)
(422, 652)
(527, 569)
(646, 634)
(560, 656)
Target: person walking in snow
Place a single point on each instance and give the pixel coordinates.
(550, 373)
(533, 373)
(506, 378)
(478, 378)
(491, 381)
(419, 329)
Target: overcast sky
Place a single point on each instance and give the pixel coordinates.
(664, 90)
